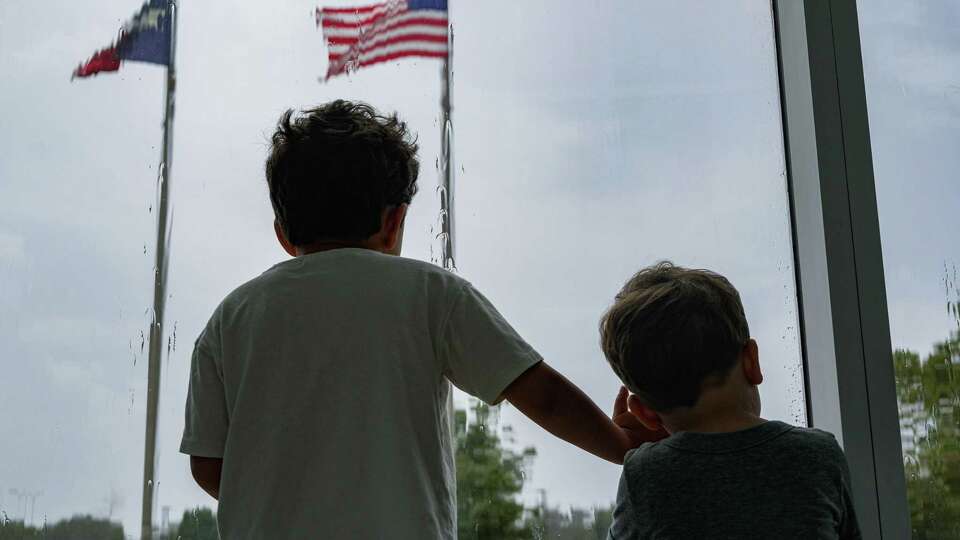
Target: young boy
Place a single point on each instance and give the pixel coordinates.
(679, 341)
(318, 390)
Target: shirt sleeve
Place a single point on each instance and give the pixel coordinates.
(624, 525)
(206, 423)
(480, 352)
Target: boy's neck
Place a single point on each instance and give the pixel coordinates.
(731, 407)
(317, 247)
(716, 423)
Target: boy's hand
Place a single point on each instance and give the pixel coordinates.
(557, 405)
(631, 425)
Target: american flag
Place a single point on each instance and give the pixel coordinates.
(365, 35)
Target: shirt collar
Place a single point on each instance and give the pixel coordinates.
(722, 443)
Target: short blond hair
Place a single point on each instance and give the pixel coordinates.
(671, 330)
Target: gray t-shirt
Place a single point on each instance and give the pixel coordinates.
(323, 385)
(770, 481)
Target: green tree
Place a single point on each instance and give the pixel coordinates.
(489, 478)
(74, 528)
(577, 524)
(602, 519)
(197, 524)
(928, 393)
(84, 528)
(16, 530)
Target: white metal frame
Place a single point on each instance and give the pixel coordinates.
(845, 331)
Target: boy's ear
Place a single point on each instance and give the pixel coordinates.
(392, 228)
(282, 238)
(751, 363)
(647, 416)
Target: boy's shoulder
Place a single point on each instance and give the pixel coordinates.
(393, 272)
(815, 438)
(348, 263)
(818, 448)
(777, 470)
(808, 460)
(780, 441)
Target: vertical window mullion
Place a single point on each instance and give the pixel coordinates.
(846, 337)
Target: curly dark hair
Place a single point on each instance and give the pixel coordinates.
(672, 332)
(333, 169)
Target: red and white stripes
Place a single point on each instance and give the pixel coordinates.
(361, 36)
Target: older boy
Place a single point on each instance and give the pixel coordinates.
(679, 341)
(318, 390)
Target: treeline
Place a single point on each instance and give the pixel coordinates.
(74, 528)
(928, 395)
(197, 524)
(490, 479)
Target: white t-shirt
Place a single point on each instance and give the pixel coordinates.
(323, 385)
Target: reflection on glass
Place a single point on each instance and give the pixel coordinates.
(911, 56)
(589, 143)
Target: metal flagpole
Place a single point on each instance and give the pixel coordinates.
(446, 156)
(446, 193)
(159, 290)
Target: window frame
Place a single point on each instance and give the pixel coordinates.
(845, 332)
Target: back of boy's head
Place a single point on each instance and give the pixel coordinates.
(673, 331)
(332, 171)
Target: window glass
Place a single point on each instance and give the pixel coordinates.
(911, 58)
(593, 142)
(589, 142)
(78, 224)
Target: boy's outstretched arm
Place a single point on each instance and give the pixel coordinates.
(558, 406)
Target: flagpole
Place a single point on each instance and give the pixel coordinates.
(447, 192)
(446, 196)
(159, 290)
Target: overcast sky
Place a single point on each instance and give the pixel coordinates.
(589, 143)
